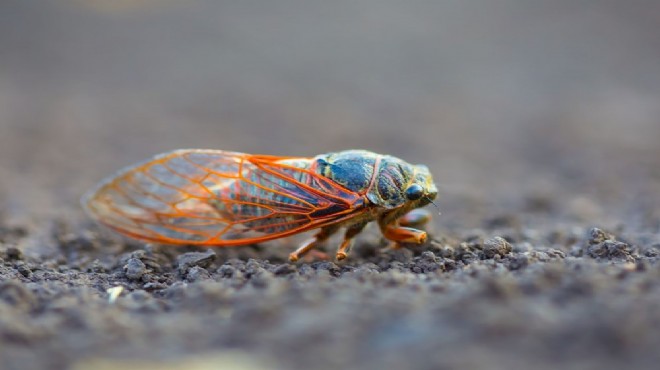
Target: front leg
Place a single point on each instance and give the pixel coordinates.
(390, 228)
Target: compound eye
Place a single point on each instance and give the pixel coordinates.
(414, 192)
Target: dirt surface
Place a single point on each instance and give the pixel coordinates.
(460, 301)
(539, 122)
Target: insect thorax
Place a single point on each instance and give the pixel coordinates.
(354, 169)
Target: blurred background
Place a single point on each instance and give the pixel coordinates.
(514, 105)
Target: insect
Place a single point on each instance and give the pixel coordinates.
(223, 198)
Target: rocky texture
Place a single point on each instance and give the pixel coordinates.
(457, 301)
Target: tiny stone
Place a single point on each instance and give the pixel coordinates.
(597, 250)
(428, 256)
(226, 271)
(541, 256)
(23, 269)
(197, 273)
(154, 286)
(468, 257)
(450, 264)
(496, 246)
(306, 270)
(462, 249)
(447, 252)
(188, 260)
(284, 269)
(556, 253)
(617, 249)
(253, 268)
(97, 267)
(325, 265)
(14, 254)
(651, 253)
(597, 236)
(427, 262)
(134, 269)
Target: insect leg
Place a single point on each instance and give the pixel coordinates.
(309, 244)
(351, 232)
(401, 234)
(415, 218)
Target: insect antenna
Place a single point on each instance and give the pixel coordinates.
(436, 206)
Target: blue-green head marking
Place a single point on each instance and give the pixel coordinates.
(386, 181)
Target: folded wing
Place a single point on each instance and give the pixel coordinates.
(213, 197)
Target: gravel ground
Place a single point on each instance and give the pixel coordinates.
(539, 123)
(582, 299)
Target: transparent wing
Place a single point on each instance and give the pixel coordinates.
(222, 198)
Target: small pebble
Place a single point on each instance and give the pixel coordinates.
(496, 246)
(14, 254)
(188, 260)
(284, 269)
(134, 269)
(197, 273)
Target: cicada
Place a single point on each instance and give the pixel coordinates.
(222, 198)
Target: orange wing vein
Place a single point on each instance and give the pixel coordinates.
(214, 197)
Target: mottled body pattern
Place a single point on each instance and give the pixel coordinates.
(221, 198)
